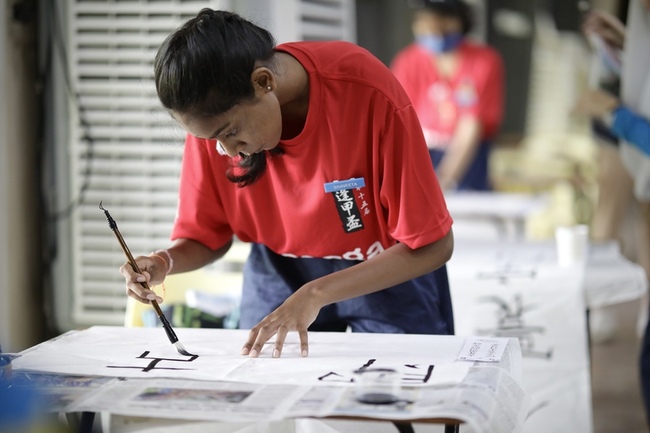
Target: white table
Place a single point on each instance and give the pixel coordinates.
(223, 386)
(517, 289)
(610, 278)
(503, 215)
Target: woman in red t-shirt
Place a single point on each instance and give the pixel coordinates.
(312, 152)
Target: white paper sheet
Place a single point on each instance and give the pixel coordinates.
(145, 353)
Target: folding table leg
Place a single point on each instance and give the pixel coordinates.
(86, 422)
(404, 426)
(452, 428)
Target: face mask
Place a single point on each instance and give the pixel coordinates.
(436, 44)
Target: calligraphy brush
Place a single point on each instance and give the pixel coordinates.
(168, 328)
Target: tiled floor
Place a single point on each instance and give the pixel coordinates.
(617, 403)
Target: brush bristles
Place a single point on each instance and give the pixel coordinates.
(179, 347)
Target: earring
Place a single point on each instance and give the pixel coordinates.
(268, 87)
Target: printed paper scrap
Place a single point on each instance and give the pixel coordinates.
(483, 349)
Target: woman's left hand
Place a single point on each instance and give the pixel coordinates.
(295, 314)
(393, 266)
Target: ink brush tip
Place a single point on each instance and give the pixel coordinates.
(182, 350)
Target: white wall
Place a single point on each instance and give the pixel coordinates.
(20, 282)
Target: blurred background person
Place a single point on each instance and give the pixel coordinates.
(456, 87)
(618, 214)
(620, 181)
(629, 120)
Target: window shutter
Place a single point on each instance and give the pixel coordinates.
(134, 151)
(302, 20)
(327, 20)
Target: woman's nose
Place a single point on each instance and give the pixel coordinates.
(233, 147)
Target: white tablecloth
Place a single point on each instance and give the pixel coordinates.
(518, 289)
(610, 278)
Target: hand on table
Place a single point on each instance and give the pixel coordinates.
(153, 273)
(295, 314)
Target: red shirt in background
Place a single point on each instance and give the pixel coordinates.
(476, 89)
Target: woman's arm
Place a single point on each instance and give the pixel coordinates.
(460, 153)
(475, 123)
(186, 254)
(396, 265)
(631, 127)
(624, 123)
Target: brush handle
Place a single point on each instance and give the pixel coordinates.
(166, 325)
(113, 226)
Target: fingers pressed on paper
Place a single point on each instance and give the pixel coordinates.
(252, 336)
(263, 336)
(280, 336)
(304, 342)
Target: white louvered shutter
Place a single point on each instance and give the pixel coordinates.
(327, 20)
(136, 148)
(135, 155)
(302, 20)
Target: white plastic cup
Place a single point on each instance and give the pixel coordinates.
(572, 245)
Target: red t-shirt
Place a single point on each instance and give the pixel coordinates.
(476, 89)
(360, 124)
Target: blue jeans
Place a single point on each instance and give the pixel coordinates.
(419, 306)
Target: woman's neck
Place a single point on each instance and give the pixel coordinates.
(293, 94)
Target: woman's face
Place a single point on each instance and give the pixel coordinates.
(249, 127)
(430, 23)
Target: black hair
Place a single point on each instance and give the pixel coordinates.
(205, 67)
(450, 8)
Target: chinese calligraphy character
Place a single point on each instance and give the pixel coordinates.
(155, 361)
(348, 210)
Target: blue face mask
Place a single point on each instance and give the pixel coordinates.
(437, 44)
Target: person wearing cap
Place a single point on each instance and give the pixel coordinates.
(456, 87)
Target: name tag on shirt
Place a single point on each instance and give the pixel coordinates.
(348, 210)
(339, 185)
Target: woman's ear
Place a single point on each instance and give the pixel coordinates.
(263, 79)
